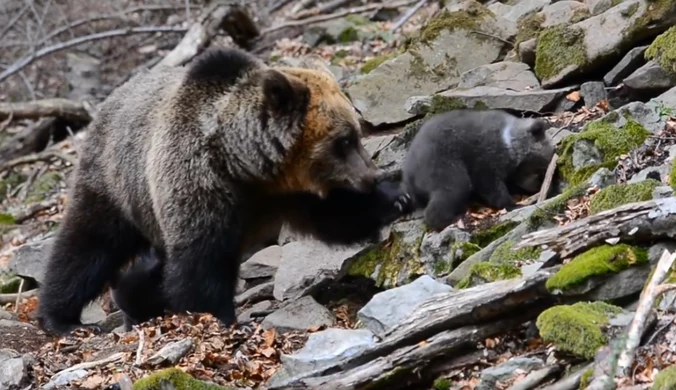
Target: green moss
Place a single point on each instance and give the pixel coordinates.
(663, 50)
(504, 253)
(665, 379)
(484, 237)
(10, 285)
(586, 378)
(176, 377)
(375, 62)
(441, 104)
(615, 2)
(357, 20)
(461, 251)
(576, 328)
(7, 219)
(672, 175)
(349, 34)
(529, 27)
(608, 139)
(43, 186)
(559, 47)
(618, 194)
(598, 261)
(442, 384)
(547, 212)
(488, 272)
(469, 19)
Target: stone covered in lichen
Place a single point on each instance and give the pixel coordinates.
(173, 378)
(375, 62)
(658, 12)
(577, 328)
(484, 237)
(610, 140)
(504, 253)
(9, 284)
(616, 195)
(672, 175)
(529, 26)
(665, 379)
(586, 378)
(394, 262)
(559, 47)
(663, 50)
(460, 251)
(598, 261)
(466, 19)
(547, 212)
(486, 272)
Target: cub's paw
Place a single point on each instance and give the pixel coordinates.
(404, 203)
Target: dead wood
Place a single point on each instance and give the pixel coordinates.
(547, 182)
(57, 107)
(233, 18)
(32, 158)
(637, 221)
(445, 312)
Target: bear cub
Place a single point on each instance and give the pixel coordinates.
(459, 155)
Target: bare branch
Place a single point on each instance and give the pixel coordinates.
(13, 21)
(35, 157)
(547, 182)
(22, 63)
(57, 107)
(408, 15)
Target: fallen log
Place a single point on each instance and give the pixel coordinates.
(639, 221)
(57, 107)
(443, 313)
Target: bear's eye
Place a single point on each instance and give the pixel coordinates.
(342, 145)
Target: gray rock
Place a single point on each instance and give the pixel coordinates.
(661, 171)
(507, 370)
(5, 315)
(562, 12)
(93, 313)
(649, 77)
(516, 76)
(16, 324)
(13, 369)
(172, 352)
(667, 99)
(388, 308)
(262, 264)
(299, 315)
(656, 250)
(260, 306)
(627, 65)
(307, 264)
(558, 134)
(593, 92)
(381, 94)
(614, 23)
(255, 294)
(599, 6)
(525, 7)
(603, 178)
(499, 9)
(662, 192)
(112, 321)
(527, 51)
(29, 260)
(499, 98)
(585, 153)
(621, 284)
(64, 379)
(435, 248)
(327, 347)
(647, 114)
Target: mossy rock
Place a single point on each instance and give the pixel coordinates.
(616, 195)
(483, 238)
(461, 251)
(529, 26)
(663, 50)
(657, 12)
(10, 285)
(504, 253)
(559, 47)
(672, 175)
(577, 328)
(442, 384)
(598, 261)
(43, 186)
(173, 376)
(375, 62)
(610, 141)
(7, 219)
(467, 19)
(665, 379)
(586, 378)
(390, 263)
(486, 272)
(547, 212)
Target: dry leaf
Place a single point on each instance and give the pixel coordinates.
(574, 96)
(268, 352)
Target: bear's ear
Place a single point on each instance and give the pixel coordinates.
(538, 127)
(284, 94)
(316, 62)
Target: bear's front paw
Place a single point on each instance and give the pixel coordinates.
(404, 203)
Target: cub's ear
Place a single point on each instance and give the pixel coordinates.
(316, 62)
(538, 127)
(284, 94)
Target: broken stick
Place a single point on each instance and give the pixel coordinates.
(547, 182)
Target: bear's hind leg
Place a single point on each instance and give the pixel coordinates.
(93, 242)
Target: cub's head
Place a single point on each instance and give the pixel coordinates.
(535, 150)
(328, 153)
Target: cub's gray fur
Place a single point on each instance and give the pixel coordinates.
(461, 153)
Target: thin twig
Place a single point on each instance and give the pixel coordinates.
(324, 18)
(547, 182)
(35, 208)
(645, 305)
(22, 63)
(35, 157)
(492, 36)
(408, 15)
(11, 298)
(277, 5)
(13, 21)
(87, 365)
(18, 296)
(139, 350)
(187, 11)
